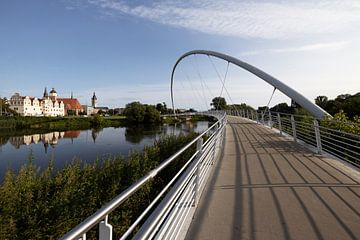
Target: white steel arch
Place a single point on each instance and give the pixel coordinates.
(315, 110)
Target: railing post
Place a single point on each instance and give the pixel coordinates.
(105, 230)
(317, 135)
(270, 120)
(257, 117)
(252, 115)
(262, 117)
(215, 145)
(293, 127)
(279, 122)
(199, 144)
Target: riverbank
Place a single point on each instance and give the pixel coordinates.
(29, 124)
(58, 123)
(46, 204)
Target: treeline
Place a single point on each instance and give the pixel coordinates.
(57, 123)
(219, 103)
(46, 204)
(349, 104)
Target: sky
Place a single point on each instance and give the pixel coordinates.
(125, 50)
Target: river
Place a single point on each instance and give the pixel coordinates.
(87, 145)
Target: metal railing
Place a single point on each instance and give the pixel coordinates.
(325, 135)
(167, 215)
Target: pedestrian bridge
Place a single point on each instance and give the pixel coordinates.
(253, 175)
(266, 186)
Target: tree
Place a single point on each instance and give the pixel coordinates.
(321, 101)
(218, 103)
(135, 112)
(241, 106)
(151, 114)
(162, 108)
(141, 113)
(350, 104)
(282, 108)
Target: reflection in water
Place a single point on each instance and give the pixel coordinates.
(95, 133)
(89, 144)
(47, 139)
(135, 134)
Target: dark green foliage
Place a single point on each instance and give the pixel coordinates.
(45, 205)
(56, 123)
(283, 108)
(350, 104)
(136, 112)
(218, 103)
(97, 121)
(162, 108)
(241, 106)
(151, 114)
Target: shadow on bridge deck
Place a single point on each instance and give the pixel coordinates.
(268, 187)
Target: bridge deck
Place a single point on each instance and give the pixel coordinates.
(268, 187)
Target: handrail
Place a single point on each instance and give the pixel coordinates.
(81, 229)
(311, 131)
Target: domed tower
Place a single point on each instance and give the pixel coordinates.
(93, 100)
(53, 94)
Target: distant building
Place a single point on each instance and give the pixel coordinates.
(49, 105)
(93, 100)
(93, 109)
(72, 106)
(88, 110)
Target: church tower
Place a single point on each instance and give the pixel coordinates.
(45, 93)
(93, 100)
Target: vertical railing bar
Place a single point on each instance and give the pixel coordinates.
(293, 126)
(318, 137)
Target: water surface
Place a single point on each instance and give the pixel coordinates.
(64, 147)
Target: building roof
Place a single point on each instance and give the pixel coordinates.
(94, 97)
(102, 108)
(53, 90)
(71, 134)
(71, 104)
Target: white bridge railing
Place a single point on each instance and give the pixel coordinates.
(169, 214)
(317, 133)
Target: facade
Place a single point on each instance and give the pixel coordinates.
(49, 105)
(88, 110)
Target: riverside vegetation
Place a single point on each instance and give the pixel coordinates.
(46, 204)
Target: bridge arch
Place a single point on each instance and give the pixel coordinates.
(315, 110)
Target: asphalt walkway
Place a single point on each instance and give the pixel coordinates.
(267, 187)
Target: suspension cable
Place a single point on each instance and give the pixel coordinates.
(267, 106)
(197, 94)
(196, 67)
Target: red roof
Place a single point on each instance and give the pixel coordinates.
(71, 103)
(71, 134)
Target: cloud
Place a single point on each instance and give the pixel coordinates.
(329, 46)
(247, 19)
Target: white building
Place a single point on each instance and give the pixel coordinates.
(49, 105)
